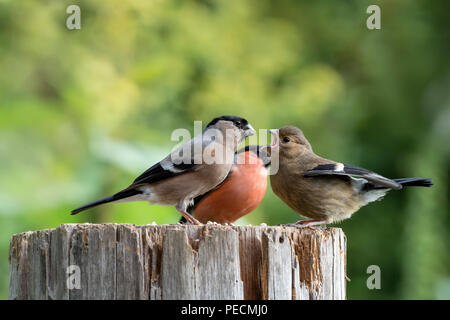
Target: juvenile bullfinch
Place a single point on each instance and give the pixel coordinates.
(241, 191)
(324, 190)
(192, 169)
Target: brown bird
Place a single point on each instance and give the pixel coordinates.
(320, 189)
(240, 193)
(190, 170)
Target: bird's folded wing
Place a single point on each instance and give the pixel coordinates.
(180, 161)
(160, 172)
(340, 169)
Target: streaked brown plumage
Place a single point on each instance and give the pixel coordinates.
(324, 190)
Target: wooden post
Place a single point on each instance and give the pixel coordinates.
(123, 261)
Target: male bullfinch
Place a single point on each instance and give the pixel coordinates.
(324, 190)
(241, 191)
(192, 169)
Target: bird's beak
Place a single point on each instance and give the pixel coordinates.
(275, 138)
(248, 130)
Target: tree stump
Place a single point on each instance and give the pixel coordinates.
(124, 261)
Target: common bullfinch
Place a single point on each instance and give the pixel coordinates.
(192, 169)
(324, 190)
(241, 191)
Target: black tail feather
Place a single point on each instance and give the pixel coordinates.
(118, 196)
(414, 182)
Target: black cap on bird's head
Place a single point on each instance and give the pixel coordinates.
(238, 122)
(262, 152)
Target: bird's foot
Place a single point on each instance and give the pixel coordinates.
(307, 224)
(189, 218)
(213, 223)
(299, 226)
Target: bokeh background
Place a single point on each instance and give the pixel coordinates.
(83, 112)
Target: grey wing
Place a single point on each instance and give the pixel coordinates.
(157, 173)
(185, 158)
(340, 169)
(179, 161)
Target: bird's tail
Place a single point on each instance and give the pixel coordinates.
(118, 196)
(414, 182)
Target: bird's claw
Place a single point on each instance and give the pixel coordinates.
(306, 224)
(190, 219)
(194, 222)
(298, 226)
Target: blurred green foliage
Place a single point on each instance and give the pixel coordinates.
(84, 111)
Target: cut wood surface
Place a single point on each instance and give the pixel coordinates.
(124, 261)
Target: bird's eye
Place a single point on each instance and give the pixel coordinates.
(286, 139)
(238, 123)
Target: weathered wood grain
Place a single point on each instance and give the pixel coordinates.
(124, 261)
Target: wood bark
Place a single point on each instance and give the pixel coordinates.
(124, 261)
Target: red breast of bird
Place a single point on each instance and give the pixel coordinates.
(241, 192)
